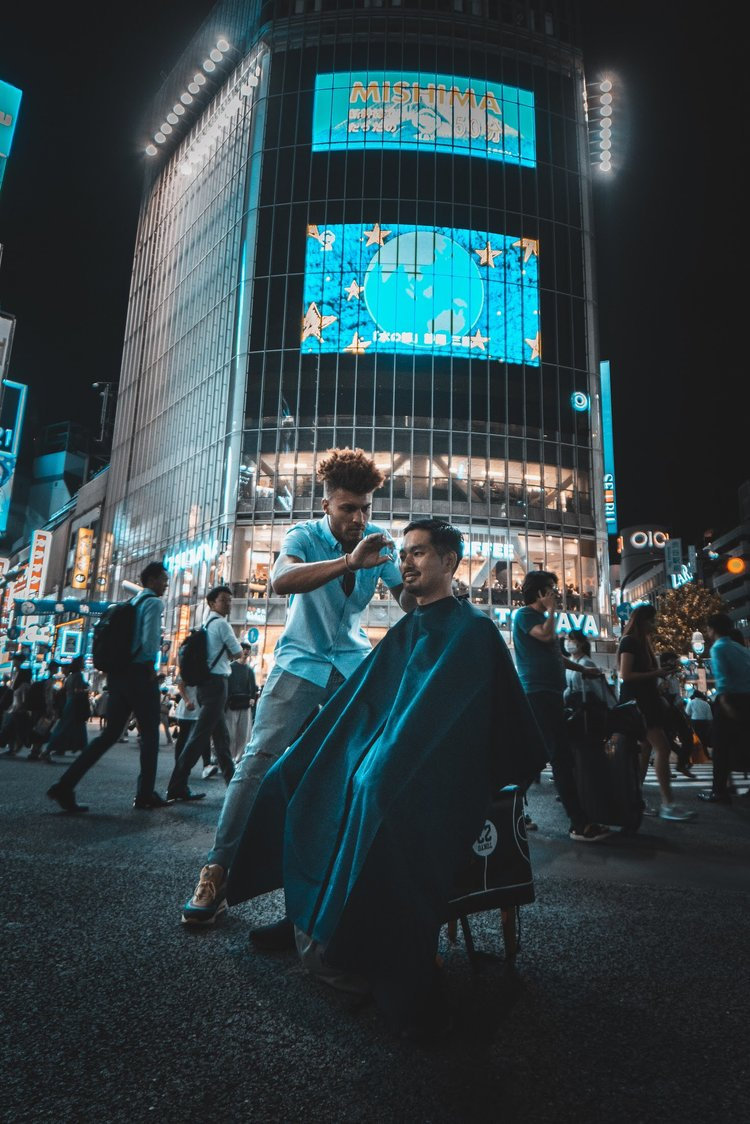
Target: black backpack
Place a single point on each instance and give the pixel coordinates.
(113, 637)
(193, 657)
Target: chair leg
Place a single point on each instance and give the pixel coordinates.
(453, 931)
(508, 922)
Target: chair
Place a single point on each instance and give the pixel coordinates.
(497, 875)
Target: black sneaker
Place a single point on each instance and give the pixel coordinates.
(185, 797)
(66, 798)
(149, 803)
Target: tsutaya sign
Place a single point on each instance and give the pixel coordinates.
(564, 622)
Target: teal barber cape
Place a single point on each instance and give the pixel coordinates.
(368, 816)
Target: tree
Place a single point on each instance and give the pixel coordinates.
(682, 612)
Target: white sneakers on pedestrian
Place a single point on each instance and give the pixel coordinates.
(209, 771)
(675, 812)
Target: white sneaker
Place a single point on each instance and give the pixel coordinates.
(209, 771)
(675, 812)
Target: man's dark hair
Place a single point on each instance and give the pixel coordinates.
(536, 582)
(721, 623)
(444, 537)
(215, 591)
(153, 570)
(349, 470)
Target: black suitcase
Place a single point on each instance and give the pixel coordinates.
(496, 874)
(607, 761)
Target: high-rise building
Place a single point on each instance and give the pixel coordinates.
(365, 224)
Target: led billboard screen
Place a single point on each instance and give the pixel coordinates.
(12, 407)
(441, 112)
(417, 289)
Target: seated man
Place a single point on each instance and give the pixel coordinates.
(368, 816)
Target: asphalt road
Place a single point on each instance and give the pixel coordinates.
(630, 1002)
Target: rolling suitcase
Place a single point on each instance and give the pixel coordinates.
(496, 874)
(607, 761)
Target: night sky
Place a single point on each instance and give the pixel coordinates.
(671, 230)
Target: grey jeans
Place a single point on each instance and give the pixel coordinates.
(286, 704)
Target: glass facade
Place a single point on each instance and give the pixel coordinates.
(375, 233)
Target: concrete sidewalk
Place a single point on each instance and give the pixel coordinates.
(630, 1003)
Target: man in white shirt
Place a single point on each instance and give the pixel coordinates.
(223, 647)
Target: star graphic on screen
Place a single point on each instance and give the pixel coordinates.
(478, 340)
(376, 236)
(529, 246)
(354, 290)
(313, 232)
(536, 346)
(487, 255)
(358, 345)
(315, 323)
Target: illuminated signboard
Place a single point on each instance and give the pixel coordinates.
(10, 101)
(12, 408)
(82, 562)
(7, 324)
(431, 290)
(610, 504)
(437, 112)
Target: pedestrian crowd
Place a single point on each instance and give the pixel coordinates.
(358, 778)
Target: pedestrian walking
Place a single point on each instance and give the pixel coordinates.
(242, 693)
(541, 665)
(41, 702)
(332, 566)
(698, 710)
(222, 648)
(70, 734)
(185, 715)
(639, 674)
(730, 664)
(133, 689)
(15, 730)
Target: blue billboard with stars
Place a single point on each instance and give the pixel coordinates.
(377, 287)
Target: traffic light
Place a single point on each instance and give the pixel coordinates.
(735, 565)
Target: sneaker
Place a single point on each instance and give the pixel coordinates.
(530, 825)
(209, 771)
(715, 797)
(209, 899)
(591, 833)
(675, 812)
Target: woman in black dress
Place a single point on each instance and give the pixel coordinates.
(639, 671)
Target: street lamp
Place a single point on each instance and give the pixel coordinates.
(105, 390)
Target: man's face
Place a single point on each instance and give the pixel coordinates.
(348, 514)
(427, 575)
(160, 583)
(222, 603)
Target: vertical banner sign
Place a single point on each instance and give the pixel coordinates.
(673, 556)
(610, 505)
(38, 562)
(18, 589)
(7, 324)
(82, 563)
(12, 407)
(10, 101)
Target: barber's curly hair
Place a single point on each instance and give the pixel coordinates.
(349, 470)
